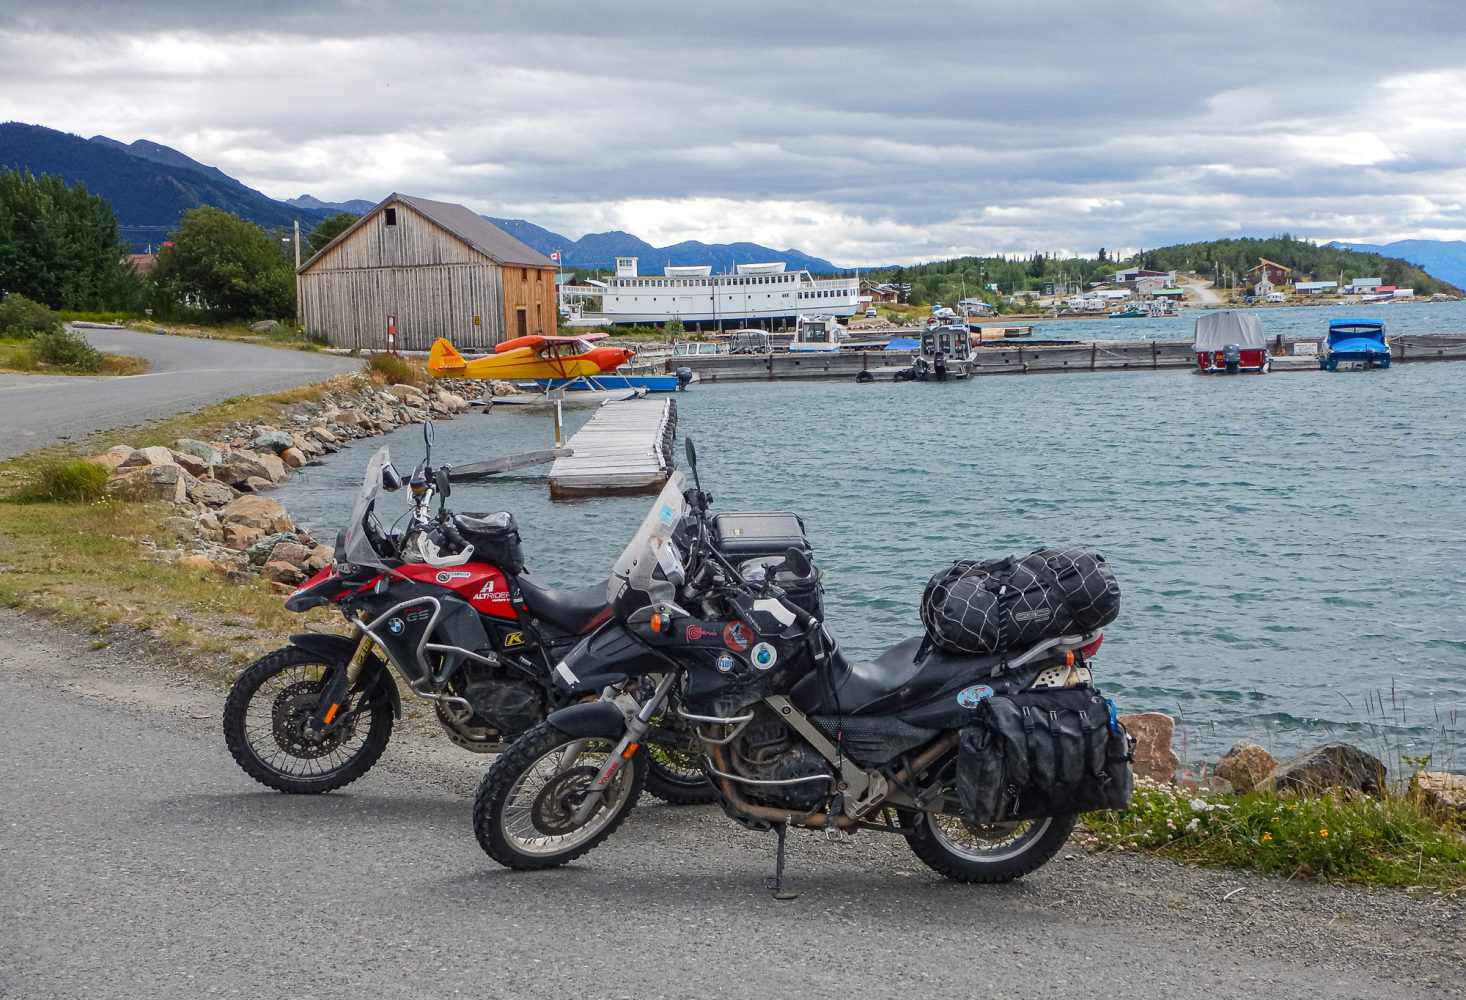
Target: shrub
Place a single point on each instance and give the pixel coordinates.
(20, 317)
(65, 349)
(396, 371)
(71, 480)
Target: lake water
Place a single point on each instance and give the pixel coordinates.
(1291, 548)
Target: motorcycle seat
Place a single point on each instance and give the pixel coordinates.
(575, 611)
(894, 680)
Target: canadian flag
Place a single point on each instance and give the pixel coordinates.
(555, 256)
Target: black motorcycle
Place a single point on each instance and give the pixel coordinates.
(977, 742)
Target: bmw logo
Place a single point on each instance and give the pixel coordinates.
(764, 656)
(395, 626)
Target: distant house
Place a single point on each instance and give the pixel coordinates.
(1277, 273)
(880, 291)
(1151, 284)
(142, 263)
(1315, 287)
(1263, 288)
(1131, 275)
(429, 269)
(1363, 286)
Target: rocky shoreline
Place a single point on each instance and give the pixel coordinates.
(224, 522)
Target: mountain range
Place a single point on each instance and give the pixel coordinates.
(1437, 258)
(152, 186)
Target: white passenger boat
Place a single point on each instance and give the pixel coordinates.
(752, 294)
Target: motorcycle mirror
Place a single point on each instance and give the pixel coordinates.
(444, 486)
(798, 561)
(427, 432)
(691, 450)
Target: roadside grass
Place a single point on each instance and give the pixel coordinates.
(1340, 837)
(20, 355)
(90, 563)
(283, 334)
(395, 370)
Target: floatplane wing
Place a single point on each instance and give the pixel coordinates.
(535, 357)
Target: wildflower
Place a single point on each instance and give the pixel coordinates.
(1323, 833)
(1266, 837)
(1193, 824)
(1199, 805)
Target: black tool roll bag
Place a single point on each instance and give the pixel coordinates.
(1043, 752)
(494, 537)
(994, 605)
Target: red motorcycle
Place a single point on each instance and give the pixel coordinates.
(449, 607)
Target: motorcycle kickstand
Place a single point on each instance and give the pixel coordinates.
(776, 884)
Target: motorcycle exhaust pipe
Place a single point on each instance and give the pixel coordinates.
(819, 820)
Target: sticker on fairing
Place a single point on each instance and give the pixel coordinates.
(667, 515)
(725, 664)
(565, 673)
(395, 626)
(973, 696)
(764, 656)
(736, 636)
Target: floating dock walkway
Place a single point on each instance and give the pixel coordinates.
(625, 449)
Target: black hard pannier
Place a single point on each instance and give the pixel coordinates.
(996, 605)
(751, 540)
(494, 537)
(1043, 752)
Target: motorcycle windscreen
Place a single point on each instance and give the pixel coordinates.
(650, 565)
(359, 551)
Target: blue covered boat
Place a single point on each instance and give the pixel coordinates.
(1355, 344)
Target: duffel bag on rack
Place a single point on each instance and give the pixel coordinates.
(994, 605)
(1043, 752)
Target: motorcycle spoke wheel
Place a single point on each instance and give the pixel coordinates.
(976, 852)
(268, 732)
(525, 812)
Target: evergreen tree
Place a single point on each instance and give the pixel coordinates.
(327, 230)
(59, 245)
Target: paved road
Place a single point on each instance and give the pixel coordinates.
(185, 374)
(136, 860)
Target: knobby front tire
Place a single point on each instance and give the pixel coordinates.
(267, 731)
(523, 815)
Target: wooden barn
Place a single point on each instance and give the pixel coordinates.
(426, 269)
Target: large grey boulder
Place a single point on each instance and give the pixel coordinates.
(1334, 765)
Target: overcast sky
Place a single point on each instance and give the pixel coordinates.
(862, 133)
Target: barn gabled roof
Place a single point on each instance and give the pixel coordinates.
(458, 221)
(477, 232)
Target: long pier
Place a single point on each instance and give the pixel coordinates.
(1011, 357)
(625, 448)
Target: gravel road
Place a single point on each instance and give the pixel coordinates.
(139, 861)
(185, 373)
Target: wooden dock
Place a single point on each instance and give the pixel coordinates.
(625, 449)
(1014, 357)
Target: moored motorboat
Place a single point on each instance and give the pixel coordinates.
(1355, 345)
(1231, 342)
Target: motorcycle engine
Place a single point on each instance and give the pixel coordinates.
(502, 709)
(766, 750)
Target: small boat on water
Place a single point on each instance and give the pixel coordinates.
(1231, 342)
(1131, 313)
(1355, 345)
(942, 354)
(817, 334)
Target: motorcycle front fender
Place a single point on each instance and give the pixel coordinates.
(590, 718)
(338, 650)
